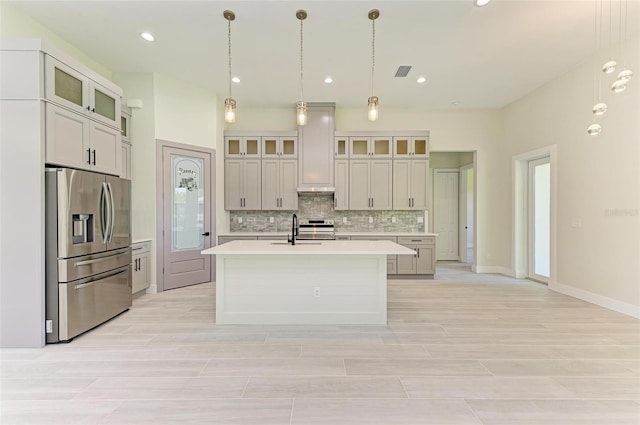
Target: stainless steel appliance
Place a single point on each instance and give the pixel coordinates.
(88, 253)
(314, 229)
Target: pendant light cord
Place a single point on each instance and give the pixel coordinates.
(301, 63)
(373, 51)
(229, 39)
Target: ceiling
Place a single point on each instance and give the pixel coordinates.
(480, 57)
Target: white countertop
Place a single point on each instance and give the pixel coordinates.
(373, 234)
(251, 247)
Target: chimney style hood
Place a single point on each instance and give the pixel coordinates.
(315, 150)
(316, 190)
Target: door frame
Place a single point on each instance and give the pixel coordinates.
(434, 216)
(520, 172)
(531, 274)
(462, 212)
(160, 145)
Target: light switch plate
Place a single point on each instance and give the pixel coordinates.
(370, 219)
(344, 220)
(271, 220)
(393, 219)
(239, 220)
(420, 219)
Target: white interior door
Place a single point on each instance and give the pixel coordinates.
(539, 218)
(445, 213)
(187, 219)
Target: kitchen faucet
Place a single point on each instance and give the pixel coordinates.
(294, 229)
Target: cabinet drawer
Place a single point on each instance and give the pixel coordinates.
(418, 240)
(138, 248)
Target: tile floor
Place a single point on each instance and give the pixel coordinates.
(459, 349)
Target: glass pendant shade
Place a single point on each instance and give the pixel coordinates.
(618, 86)
(229, 110)
(373, 108)
(625, 75)
(594, 129)
(600, 108)
(609, 67)
(301, 113)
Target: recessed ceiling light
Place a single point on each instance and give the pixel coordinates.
(328, 80)
(147, 36)
(455, 103)
(421, 80)
(236, 79)
(481, 3)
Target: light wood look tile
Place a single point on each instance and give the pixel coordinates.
(459, 349)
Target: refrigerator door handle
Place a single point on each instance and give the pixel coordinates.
(112, 212)
(104, 213)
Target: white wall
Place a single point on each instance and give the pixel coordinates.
(595, 176)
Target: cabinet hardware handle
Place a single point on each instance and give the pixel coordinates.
(89, 156)
(93, 109)
(94, 157)
(206, 234)
(88, 108)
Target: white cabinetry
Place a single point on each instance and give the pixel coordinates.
(424, 261)
(125, 132)
(315, 160)
(392, 260)
(140, 258)
(279, 147)
(279, 184)
(341, 195)
(242, 184)
(410, 188)
(370, 147)
(411, 147)
(370, 184)
(242, 147)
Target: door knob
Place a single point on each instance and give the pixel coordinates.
(205, 234)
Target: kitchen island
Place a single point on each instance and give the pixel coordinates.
(312, 282)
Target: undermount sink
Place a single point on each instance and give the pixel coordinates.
(297, 243)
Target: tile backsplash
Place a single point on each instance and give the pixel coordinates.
(321, 206)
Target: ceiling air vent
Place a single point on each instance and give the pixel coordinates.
(403, 70)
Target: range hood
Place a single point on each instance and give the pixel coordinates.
(316, 190)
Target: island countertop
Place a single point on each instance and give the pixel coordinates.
(306, 247)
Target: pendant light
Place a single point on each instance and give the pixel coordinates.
(301, 107)
(610, 65)
(229, 102)
(373, 100)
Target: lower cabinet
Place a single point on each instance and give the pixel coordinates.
(140, 259)
(424, 261)
(392, 260)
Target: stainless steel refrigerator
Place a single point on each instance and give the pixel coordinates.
(88, 252)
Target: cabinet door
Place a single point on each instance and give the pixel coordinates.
(401, 184)
(392, 266)
(341, 147)
(233, 147)
(425, 263)
(420, 147)
(125, 171)
(104, 105)
(288, 177)
(381, 147)
(106, 148)
(359, 198)
(233, 184)
(419, 184)
(270, 147)
(402, 147)
(66, 86)
(125, 125)
(140, 276)
(251, 147)
(381, 185)
(270, 183)
(407, 263)
(289, 147)
(252, 187)
(359, 147)
(341, 195)
(67, 140)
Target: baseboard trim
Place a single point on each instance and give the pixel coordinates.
(599, 300)
(493, 270)
(152, 289)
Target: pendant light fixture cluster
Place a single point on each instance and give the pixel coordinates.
(610, 65)
(229, 102)
(372, 103)
(301, 107)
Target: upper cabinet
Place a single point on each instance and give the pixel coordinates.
(279, 147)
(341, 147)
(242, 147)
(370, 147)
(410, 147)
(74, 90)
(125, 133)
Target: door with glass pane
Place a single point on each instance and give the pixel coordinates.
(539, 218)
(187, 219)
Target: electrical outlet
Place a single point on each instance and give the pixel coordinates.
(370, 219)
(576, 222)
(271, 220)
(344, 220)
(239, 220)
(316, 292)
(393, 219)
(49, 326)
(420, 219)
